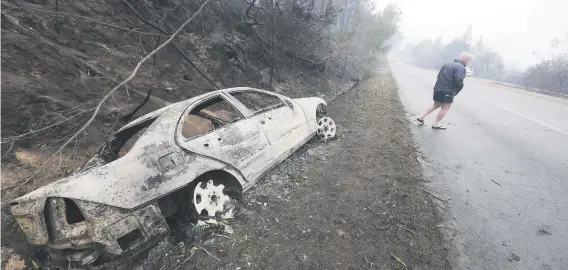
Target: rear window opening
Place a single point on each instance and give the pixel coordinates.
(118, 145)
(123, 141)
(72, 212)
(130, 239)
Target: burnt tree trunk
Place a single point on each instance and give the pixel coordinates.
(273, 47)
(345, 63)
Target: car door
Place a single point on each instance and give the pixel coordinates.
(213, 127)
(284, 124)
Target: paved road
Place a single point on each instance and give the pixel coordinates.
(503, 166)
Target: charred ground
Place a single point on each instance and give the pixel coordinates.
(59, 58)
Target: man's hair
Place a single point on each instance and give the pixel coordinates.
(465, 55)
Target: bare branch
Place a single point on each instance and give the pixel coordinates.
(8, 196)
(14, 138)
(250, 7)
(208, 253)
(273, 47)
(157, 43)
(93, 20)
(9, 149)
(97, 109)
(184, 261)
(247, 13)
(175, 45)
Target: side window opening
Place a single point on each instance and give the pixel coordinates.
(208, 116)
(257, 101)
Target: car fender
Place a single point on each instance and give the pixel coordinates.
(310, 105)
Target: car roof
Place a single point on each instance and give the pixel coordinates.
(153, 114)
(184, 103)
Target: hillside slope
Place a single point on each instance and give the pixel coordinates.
(60, 58)
(57, 65)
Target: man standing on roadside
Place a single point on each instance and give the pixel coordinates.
(448, 85)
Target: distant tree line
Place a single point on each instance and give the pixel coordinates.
(550, 74)
(343, 35)
(433, 54)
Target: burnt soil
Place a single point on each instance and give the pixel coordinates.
(352, 203)
(59, 58)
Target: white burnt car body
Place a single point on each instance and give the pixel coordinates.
(115, 204)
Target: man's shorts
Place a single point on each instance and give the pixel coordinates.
(443, 97)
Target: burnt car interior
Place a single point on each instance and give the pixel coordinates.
(209, 115)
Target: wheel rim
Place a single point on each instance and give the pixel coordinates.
(210, 198)
(326, 128)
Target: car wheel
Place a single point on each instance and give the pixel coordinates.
(326, 128)
(211, 200)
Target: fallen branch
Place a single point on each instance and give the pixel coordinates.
(399, 260)
(250, 7)
(126, 118)
(408, 230)
(14, 138)
(371, 209)
(173, 43)
(8, 195)
(130, 77)
(247, 13)
(157, 43)
(495, 182)
(187, 259)
(261, 43)
(93, 20)
(273, 48)
(10, 148)
(219, 235)
(208, 253)
(436, 197)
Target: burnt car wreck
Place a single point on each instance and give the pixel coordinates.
(192, 157)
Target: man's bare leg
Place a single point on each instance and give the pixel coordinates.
(434, 106)
(445, 108)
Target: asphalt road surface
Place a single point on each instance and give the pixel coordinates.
(502, 166)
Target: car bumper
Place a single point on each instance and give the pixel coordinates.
(105, 230)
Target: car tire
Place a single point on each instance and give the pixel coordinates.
(212, 195)
(321, 113)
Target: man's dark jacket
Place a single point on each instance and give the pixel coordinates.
(450, 78)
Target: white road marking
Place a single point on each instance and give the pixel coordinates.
(534, 120)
